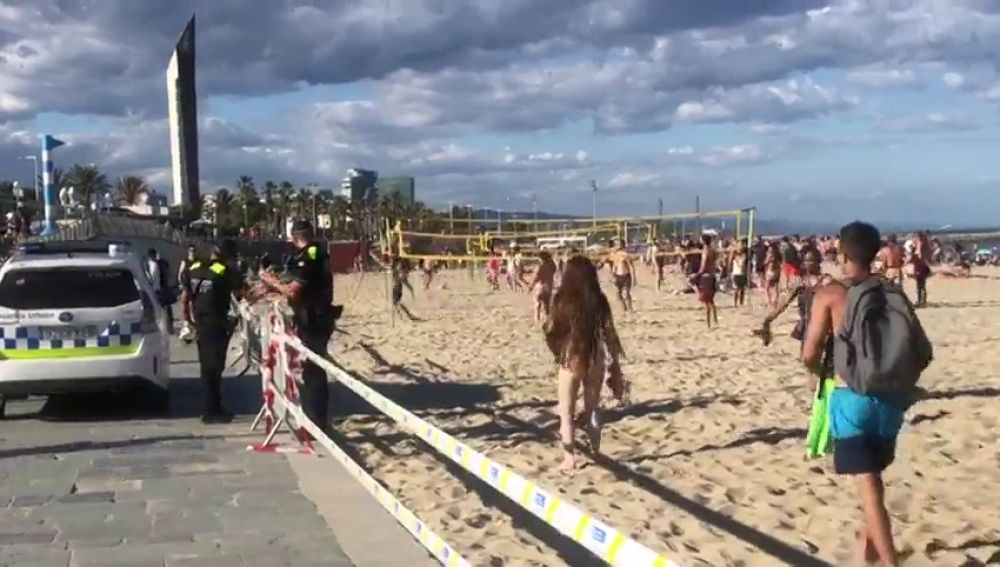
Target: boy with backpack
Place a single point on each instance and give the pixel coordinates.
(879, 351)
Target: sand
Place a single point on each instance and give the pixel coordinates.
(707, 464)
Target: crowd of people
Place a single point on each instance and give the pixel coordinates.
(861, 341)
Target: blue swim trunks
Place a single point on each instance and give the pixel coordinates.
(864, 431)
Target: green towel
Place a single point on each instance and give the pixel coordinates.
(818, 438)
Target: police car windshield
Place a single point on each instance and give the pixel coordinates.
(67, 288)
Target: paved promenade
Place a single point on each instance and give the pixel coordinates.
(86, 482)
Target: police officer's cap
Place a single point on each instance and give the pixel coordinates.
(302, 227)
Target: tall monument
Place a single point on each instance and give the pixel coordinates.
(182, 107)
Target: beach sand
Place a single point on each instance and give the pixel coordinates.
(707, 463)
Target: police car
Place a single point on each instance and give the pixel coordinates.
(80, 316)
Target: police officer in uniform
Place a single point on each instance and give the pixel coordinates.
(310, 295)
(208, 289)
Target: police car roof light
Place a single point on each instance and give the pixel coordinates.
(74, 247)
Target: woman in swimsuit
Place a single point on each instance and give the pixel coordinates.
(772, 274)
(581, 334)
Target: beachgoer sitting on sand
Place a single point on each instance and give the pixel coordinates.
(705, 280)
(581, 334)
(542, 285)
(623, 273)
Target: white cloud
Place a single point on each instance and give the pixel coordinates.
(627, 179)
(953, 80)
(768, 128)
(884, 78)
(721, 156)
(926, 123)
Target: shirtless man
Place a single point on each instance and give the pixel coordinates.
(863, 428)
(891, 256)
(623, 272)
(739, 266)
(706, 281)
(542, 285)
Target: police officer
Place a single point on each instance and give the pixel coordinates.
(208, 288)
(310, 295)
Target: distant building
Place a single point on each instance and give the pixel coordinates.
(402, 186)
(360, 185)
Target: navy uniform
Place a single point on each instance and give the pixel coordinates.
(210, 285)
(314, 318)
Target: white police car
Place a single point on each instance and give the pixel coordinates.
(80, 316)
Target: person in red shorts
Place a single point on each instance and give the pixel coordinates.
(791, 268)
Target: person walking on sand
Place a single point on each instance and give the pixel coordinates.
(705, 280)
(542, 285)
(772, 274)
(493, 271)
(580, 333)
(891, 256)
(879, 352)
(739, 263)
(623, 273)
(921, 260)
(400, 272)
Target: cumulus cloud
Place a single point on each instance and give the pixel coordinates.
(953, 80)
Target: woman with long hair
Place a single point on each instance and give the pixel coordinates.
(772, 274)
(581, 334)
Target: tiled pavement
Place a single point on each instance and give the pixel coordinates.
(94, 486)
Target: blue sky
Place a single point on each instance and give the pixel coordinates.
(807, 109)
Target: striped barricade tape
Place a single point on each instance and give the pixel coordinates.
(608, 543)
(427, 538)
(445, 553)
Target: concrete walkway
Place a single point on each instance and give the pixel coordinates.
(84, 481)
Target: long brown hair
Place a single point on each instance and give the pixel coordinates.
(580, 311)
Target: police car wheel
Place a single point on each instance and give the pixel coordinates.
(158, 400)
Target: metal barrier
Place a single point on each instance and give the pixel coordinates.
(606, 542)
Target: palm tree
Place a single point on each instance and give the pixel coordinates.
(224, 207)
(129, 188)
(88, 181)
(249, 200)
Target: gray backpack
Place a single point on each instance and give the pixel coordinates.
(881, 348)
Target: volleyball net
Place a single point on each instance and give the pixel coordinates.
(590, 236)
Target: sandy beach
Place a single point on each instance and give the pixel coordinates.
(707, 463)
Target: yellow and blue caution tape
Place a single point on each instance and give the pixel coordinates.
(606, 542)
(432, 542)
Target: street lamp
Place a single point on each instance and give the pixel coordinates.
(34, 180)
(593, 186)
